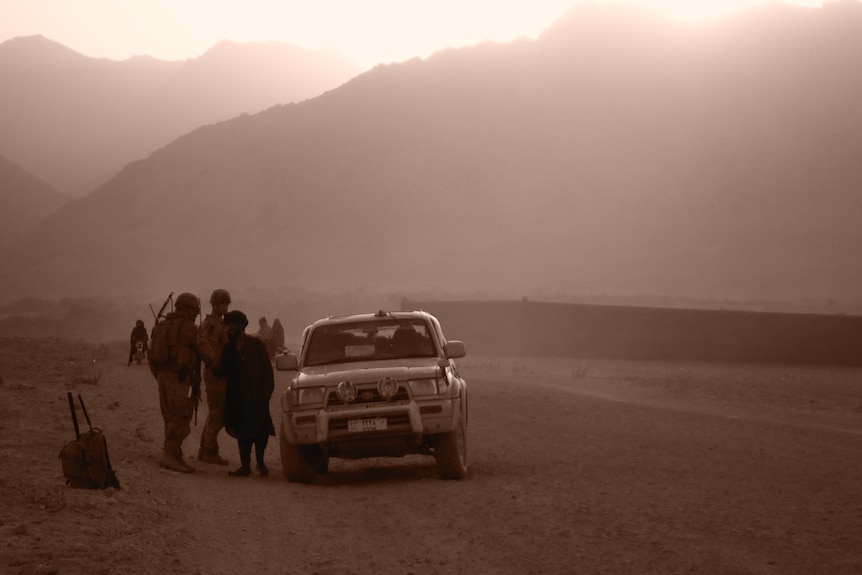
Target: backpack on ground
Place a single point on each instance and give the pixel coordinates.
(85, 460)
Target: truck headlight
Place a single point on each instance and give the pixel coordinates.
(309, 395)
(423, 386)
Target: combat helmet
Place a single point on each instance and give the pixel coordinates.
(220, 296)
(188, 301)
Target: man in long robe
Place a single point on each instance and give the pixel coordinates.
(246, 366)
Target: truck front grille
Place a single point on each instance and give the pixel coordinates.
(367, 395)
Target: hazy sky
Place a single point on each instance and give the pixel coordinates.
(367, 31)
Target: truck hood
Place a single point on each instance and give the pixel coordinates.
(331, 375)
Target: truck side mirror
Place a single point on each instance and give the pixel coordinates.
(455, 349)
(286, 362)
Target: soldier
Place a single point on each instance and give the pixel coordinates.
(176, 351)
(213, 329)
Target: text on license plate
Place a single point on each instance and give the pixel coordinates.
(359, 425)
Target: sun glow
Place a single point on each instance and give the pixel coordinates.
(699, 10)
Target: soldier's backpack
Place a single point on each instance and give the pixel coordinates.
(169, 342)
(163, 342)
(85, 461)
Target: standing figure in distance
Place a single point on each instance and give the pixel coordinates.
(176, 352)
(215, 332)
(139, 332)
(265, 335)
(277, 336)
(246, 365)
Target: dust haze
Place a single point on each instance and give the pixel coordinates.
(645, 232)
(621, 157)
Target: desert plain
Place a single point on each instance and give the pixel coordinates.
(576, 466)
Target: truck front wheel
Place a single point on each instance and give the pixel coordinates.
(296, 465)
(451, 453)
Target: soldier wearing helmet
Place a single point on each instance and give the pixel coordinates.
(176, 352)
(220, 296)
(188, 302)
(213, 329)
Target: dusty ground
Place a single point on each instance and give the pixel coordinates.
(576, 467)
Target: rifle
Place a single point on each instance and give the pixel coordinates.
(196, 375)
(74, 416)
(161, 313)
(196, 391)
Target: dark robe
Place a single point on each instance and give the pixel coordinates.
(139, 332)
(250, 383)
(277, 334)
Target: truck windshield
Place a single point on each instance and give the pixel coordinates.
(369, 341)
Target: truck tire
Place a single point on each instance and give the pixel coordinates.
(451, 453)
(296, 466)
(321, 464)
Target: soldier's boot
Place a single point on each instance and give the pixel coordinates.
(175, 462)
(188, 467)
(214, 458)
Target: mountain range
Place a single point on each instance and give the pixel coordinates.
(618, 153)
(26, 200)
(75, 121)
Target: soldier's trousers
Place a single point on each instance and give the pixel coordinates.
(177, 406)
(216, 389)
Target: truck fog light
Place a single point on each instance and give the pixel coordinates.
(346, 391)
(387, 387)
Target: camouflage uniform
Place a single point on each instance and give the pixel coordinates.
(175, 380)
(213, 329)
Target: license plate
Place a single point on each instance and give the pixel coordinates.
(361, 425)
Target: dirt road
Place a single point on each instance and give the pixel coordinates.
(575, 467)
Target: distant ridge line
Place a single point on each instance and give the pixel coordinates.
(527, 328)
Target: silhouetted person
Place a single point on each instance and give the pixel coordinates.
(213, 328)
(264, 333)
(139, 332)
(177, 350)
(246, 366)
(277, 335)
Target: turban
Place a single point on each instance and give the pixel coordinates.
(235, 317)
